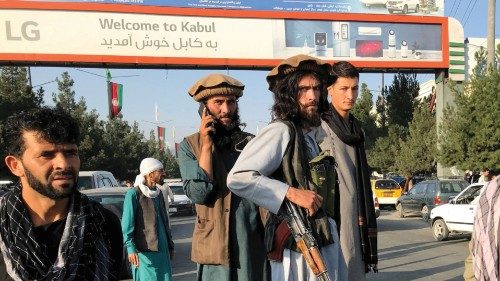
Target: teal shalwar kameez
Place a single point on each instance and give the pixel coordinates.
(152, 265)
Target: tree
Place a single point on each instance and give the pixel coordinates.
(362, 111)
(383, 154)
(66, 97)
(469, 137)
(401, 99)
(125, 148)
(381, 106)
(15, 93)
(480, 58)
(418, 152)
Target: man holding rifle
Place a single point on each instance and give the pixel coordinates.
(274, 172)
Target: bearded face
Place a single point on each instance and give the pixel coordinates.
(49, 169)
(308, 100)
(48, 190)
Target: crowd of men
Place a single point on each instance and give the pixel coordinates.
(311, 156)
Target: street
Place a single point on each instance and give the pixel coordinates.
(407, 251)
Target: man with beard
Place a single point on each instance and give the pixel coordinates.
(343, 137)
(228, 234)
(273, 167)
(145, 226)
(50, 231)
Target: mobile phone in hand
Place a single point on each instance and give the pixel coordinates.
(207, 112)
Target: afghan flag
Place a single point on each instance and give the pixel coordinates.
(115, 98)
(161, 137)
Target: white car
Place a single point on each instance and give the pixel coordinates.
(403, 6)
(369, 3)
(182, 203)
(96, 179)
(457, 216)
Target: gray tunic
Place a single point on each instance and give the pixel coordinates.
(350, 240)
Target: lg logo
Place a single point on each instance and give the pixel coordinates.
(26, 31)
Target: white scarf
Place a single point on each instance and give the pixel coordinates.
(148, 192)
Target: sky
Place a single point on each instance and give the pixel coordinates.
(178, 112)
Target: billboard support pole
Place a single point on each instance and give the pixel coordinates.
(491, 33)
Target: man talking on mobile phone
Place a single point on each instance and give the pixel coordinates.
(228, 238)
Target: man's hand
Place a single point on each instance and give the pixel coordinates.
(207, 128)
(307, 199)
(133, 259)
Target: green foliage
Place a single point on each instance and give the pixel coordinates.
(381, 106)
(361, 111)
(66, 96)
(383, 154)
(15, 92)
(480, 58)
(401, 99)
(470, 138)
(418, 152)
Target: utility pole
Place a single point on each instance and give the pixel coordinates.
(491, 33)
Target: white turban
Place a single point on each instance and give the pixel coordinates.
(148, 165)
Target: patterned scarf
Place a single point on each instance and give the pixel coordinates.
(352, 135)
(83, 252)
(485, 238)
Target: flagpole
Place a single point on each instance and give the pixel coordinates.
(156, 112)
(108, 87)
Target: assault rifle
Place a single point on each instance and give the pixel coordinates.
(305, 241)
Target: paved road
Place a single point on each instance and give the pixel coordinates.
(182, 230)
(407, 251)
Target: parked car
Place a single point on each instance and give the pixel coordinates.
(458, 215)
(112, 198)
(96, 179)
(369, 3)
(426, 195)
(403, 6)
(387, 191)
(182, 204)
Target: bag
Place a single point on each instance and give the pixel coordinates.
(324, 177)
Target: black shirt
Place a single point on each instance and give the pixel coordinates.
(49, 236)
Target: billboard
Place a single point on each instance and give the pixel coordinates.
(367, 41)
(407, 7)
(172, 37)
